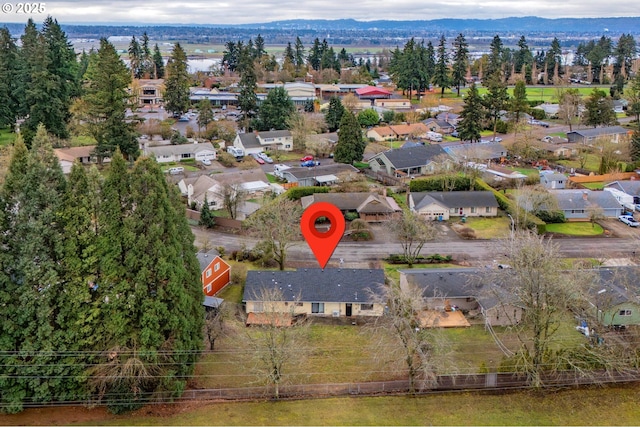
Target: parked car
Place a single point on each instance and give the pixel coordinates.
(309, 163)
(306, 158)
(206, 162)
(629, 220)
(543, 124)
(495, 139)
(266, 158)
(257, 159)
(183, 119)
(176, 171)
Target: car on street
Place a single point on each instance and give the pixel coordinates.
(306, 158)
(495, 139)
(309, 163)
(257, 159)
(629, 220)
(264, 157)
(183, 119)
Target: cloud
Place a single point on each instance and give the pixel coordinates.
(250, 11)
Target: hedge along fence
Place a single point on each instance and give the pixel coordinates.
(296, 193)
(457, 183)
(515, 211)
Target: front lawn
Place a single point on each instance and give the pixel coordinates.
(489, 228)
(575, 229)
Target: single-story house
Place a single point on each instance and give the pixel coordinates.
(214, 271)
(465, 152)
(317, 175)
(440, 126)
(467, 289)
(589, 136)
(559, 150)
(392, 132)
(392, 103)
(67, 156)
(616, 299)
(441, 205)
(577, 205)
(331, 292)
(175, 153)
(411, 161)
(449, 117)
(255, 142)
(550, 110)
(553, 181)
(371, 207)
(252, 181)
(629, 188)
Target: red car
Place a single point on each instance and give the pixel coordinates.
(306, 158)
(257, 159)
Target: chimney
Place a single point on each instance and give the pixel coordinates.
(585, 195)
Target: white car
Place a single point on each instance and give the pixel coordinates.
(629, 220)
(206, 162)
(264, 157)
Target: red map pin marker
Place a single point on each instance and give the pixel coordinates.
(322, 244)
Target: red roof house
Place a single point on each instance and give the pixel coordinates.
(215, 272)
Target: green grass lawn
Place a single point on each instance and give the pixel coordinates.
(490, 228)
(593, 185)
(527, 171)
(592, 163)
(392, 271)
(6, 137)
(544, 93)
(575, 229)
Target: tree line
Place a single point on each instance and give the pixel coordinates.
(100, 290)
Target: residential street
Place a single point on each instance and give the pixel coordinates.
(361, 254)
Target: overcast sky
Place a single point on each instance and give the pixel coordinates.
(251, 11)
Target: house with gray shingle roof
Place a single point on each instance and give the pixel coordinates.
(577, 205)
(553, 180)
(411, 161)
(466, 152)
(440, 126)
(441, 205)
(616, 298)
(468, 289)
(332, 292)
(371, 207)
(589, 136)
(255, 142)
(175, 153)
(627, 192)
(317, 175)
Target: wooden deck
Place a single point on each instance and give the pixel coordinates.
(442, 319)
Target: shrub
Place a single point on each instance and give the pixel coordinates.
(502, 127)
(460, 183)
(551, 217)
(296, 193)
(538, 114)
(467, 233)
(350, 216)
(226, 159)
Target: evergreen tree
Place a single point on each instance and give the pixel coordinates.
(258, 46)
(247, 98)
(315, 55)
(231, 55)
(176, 96)
(553, 59)
(441, 74)
(206, 217)
(470, 124)
(289, 54)
(495, 101)
(205, 113)
(635, 146)
(334, 113)
(350, 146)
(494, 64)
(9, 74)
(299, 55)
(146, 59)
(106, 98)
(158, 63)
(275, 110)
(598, 110)
(519, 104)
(135, 58)
(523, 59)
(460, 62)
(33, 236)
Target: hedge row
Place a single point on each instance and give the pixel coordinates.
(460, 183)
(296, 193)
(510, 207)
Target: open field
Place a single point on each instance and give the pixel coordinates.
(547, 93)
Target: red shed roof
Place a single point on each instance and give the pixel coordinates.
(372, 91)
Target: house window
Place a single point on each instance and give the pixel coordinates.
(185, 155)
(317, 307)
(208, 273)
(474, 209)
(258, 306)
(487, 210)
(625, 313)
(366, 307)
(287, 146)
(577, 211)
(453, 210)
(209, 288)
(216, 266)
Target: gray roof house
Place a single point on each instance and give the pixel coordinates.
(317, 175)
(616, 298)
(466, 288)
(589, 136)
(175, 153)
(371, 207)
(553, 181)
(255, 142)
(410, 161)
(441, 205)
(631, 188)
(577, 204)
(440, 126)
(332, 292)
(465, 152)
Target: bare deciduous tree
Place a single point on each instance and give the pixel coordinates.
(412, 232)
(539, 283)
(232, 196)
(278, 343)
(278, 224)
